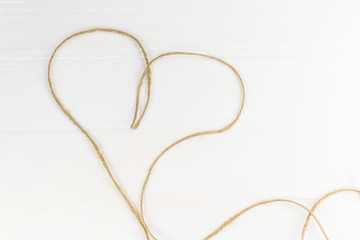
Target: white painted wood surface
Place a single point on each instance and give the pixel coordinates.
(298, 138)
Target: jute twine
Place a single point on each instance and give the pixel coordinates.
(139, 214)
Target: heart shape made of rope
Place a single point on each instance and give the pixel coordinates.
(136, 122)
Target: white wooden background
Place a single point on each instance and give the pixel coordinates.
(298, 138)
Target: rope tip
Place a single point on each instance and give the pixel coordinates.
(135, 125)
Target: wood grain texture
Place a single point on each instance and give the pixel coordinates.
(299, 136)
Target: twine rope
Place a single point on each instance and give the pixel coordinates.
(139, 215)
